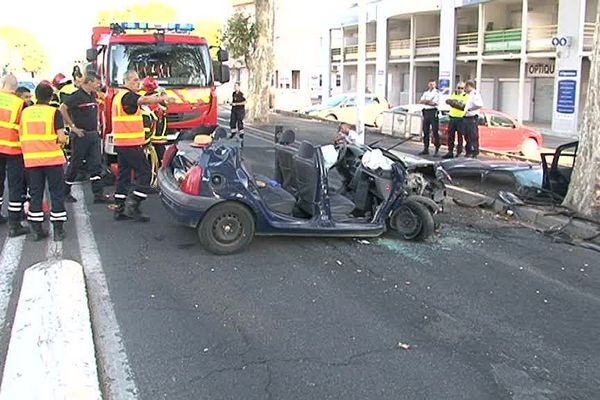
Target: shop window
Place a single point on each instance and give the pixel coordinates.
(295, 79)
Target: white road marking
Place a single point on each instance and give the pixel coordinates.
(112, 357)
(51, 352)
(9, 262)
(249, 129)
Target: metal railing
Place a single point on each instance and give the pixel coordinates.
(427, 45)
(504, 41)
(336, 54)
(399, 48)
(589, 29)
(539, 38)
(351, 53)
(467, 42)
(371, 51)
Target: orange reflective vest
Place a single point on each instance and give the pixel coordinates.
(127, 129)
(10, 112)
(39, 140)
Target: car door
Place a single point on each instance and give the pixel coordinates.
(504, 133)
(485, 133)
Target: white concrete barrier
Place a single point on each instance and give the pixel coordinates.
(51, 350)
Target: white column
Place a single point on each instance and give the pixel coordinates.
(447, 46)
(523, 63)
(361, 78)
(567, 81)
(343, 60)
(326, 71)
(411, 66)
(480, 43)
(381, 62)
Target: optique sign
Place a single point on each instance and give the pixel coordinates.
(540, 70)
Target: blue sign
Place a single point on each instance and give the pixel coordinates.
(567, 73)
(565, 103)
(444, 86)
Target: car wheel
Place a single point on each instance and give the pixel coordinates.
(530, 149)
(379, 121)
(227, 228)
(331, 117)
(413, 221)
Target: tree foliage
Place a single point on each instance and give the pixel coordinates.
(21, 51)
(152, 11)
(239, 35)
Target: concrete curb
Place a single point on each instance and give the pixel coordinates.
(304, 116)
(51, 352)
(538, 219)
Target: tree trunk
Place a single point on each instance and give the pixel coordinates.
(584, 190)
(260, 63)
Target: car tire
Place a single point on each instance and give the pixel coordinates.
(331, 117)
(530, 149)
(227, 228)
(413, 221)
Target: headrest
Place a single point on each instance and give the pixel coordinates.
(220, 133)
(306, 150)
(287, 137)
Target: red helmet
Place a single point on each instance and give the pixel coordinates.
(149, 84)
(58, 79)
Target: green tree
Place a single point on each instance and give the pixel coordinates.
(252, 40)
(24, 51)
(584, 189)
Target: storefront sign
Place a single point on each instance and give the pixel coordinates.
(540, 70)
(567, 90)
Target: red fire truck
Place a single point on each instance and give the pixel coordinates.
(180, 61)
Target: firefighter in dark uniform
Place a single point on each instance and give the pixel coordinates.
(80, 112)
(128, 138)
(11, 156)
(238, 111)
(156, 115)
(41, 134)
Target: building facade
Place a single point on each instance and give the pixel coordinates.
(530, 58)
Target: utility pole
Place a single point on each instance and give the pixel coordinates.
(361, 83)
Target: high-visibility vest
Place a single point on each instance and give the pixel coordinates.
(150, 119)
(160, 131)
(39, 140)
(11, 107)
(66, 91)
(455, 112)
(127, 129)
(159, 124)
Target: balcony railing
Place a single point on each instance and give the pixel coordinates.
(399, 49)
(466, 43)
(371, 51)
(539, 38)
(505, 41)
(427, 46)
(336, 54)
(589, 29)
(351, 53)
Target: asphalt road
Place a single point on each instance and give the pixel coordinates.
(488, 309)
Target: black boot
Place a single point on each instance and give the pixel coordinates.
(132, 210)
(120, 211)
(16, 229)
(59, 231)
(38, 231)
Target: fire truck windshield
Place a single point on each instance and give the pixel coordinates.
(172, 64)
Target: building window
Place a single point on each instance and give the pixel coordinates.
(338, 80)
(295, 79)
(320, 80)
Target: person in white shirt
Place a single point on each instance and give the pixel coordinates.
(345, 134)
(430, 99)
(471, 119)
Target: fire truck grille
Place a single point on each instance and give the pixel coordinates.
(181, 117)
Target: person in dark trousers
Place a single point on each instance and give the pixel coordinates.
(80, 112)
(11, 156)
(238, 111)
(129, 137)
(457, 102)
(41, 133)
(430, 99)
(474, 103)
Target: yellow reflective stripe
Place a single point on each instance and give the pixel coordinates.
(42, 154)
(9, 125)
(8, 143)
(38, 138)
(128, 135)
(125, 118)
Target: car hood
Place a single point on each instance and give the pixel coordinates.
(317, 108)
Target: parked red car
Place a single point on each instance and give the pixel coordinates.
(501, 132)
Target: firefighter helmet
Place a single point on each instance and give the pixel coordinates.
(59, 79)
(149, 84)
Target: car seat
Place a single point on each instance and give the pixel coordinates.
(284, 161)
